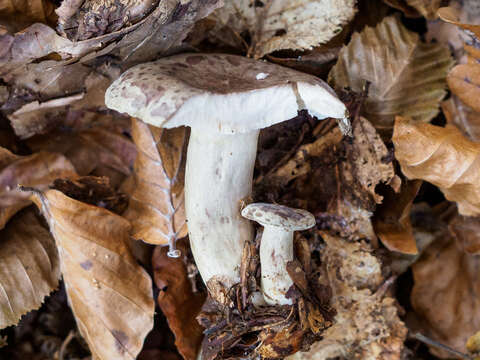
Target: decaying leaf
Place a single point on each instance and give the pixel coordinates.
(407, 77)
(392, 219)
(366, 325)
(179, 303)
(30, 267)
(109, 293)
(443, 157)
(447, 273)
(38, 170)
(156, 208)
(283, 24)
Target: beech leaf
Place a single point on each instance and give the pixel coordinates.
(156, 208)
(464, 81)
(444, 295)
(109, 293)
(285, 24)
(407, 77)
(443, 157)
(179, 303)
(39, 170)
(463, 117)
(30, 267)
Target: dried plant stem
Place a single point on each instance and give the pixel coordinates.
(431, 342)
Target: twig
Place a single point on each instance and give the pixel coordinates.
(65, 343)
(428, 341)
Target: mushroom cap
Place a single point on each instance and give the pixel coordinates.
(281, 216)
(219, 92)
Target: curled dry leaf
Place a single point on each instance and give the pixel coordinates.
(366, 325)
(283, 24)
(392, 219)
(38, 170)
(179, 303)
(447, 273)
(428, 8)
(407, 77)
(443, 157)
(156, 208)
(30, 267)
(109, 293)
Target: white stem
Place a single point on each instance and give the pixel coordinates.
(219, 173)
(276, 250)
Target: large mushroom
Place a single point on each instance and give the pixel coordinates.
(226, 100)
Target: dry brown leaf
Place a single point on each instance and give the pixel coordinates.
(177, 300)
(464, 81)
(38, 170)
(446, 292)
(283, 24)
(392, 219)
(156, 208)
(109, 293)
(366, 325)
(30, 267)
(443, 157)
(92, 149)
(407, 77)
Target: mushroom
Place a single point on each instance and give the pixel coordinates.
(226, 103)
(276, 247)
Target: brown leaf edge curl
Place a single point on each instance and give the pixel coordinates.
(392, 219)
(179, 303)
(109, 293)
(443, 157)
(30, 267)
(156, 209)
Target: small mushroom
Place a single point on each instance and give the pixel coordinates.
(221, 98)
(276, 247)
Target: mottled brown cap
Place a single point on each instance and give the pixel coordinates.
(219, 92)
(280, 216)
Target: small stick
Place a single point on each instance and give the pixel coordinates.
(65, 343)
(428, 341)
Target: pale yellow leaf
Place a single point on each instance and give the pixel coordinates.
(406, 76)
(30, 267)
(285, 24)
(156, 207)
(109, 293)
